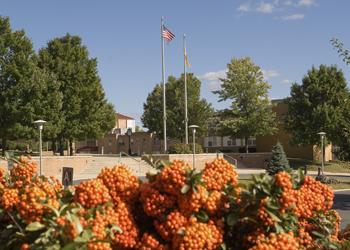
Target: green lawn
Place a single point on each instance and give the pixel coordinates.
(344, 182)
(332, 166)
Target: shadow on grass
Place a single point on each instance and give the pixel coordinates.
(297, 163)
(342, 201)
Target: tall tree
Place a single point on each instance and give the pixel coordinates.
(344, 143)
(317, 105)
(199, 110)
(342, 51)
(85, 112)
(250, 113)
(17, 66)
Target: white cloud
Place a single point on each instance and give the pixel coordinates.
(288, 3)
(270, 73)
(265, 7)
(213, 76)
(244, 7)
(293, 17)
(213, 79)
(286, 81)
(306, 2)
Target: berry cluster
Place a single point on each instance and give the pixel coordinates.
(218, 174)
(173, 177)
(121, 183)
(91, 193)
(282, 241)
(197, 236)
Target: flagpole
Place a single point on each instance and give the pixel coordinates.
(163, 76)
(185, 79)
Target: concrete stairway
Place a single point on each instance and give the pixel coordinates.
(96, 164)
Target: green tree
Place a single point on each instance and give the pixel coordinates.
(250, 112)
(317, 105)
(343, 52)
(85, 112)
(45, 100)
(199, 110)
(17, 69)
(278, 161)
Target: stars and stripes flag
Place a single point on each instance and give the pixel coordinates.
(167, 34)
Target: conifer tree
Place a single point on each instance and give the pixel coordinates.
(278, 161)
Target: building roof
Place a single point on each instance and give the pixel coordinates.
(121, 116)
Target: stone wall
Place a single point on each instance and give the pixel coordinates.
(200, 159)
(251, 160)
(52, 165)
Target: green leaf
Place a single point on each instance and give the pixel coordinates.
(35, 226)
(185, 189)
(116, 229)
(70, 246)
(223, 246)
(273, 216)
(279, 228)
(202, 216)
(317, 234)
(57, 214)
(232, 218)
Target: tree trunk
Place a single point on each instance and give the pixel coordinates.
(61, 146)
(246, 145)
(53, 146)
(71, 153)
(4, 143)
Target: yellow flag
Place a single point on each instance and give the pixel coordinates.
(186, 58)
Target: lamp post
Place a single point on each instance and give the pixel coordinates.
(193, 127)
(40, 124)
(129, 133)
(322, 134)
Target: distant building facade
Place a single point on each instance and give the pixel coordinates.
(117, 140)
(265, 143)
(213, 142)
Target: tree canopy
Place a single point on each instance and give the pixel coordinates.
(85, 112)
(250, 113)
(342, 51)
(18, 86)
(318, 104)
(199, 110)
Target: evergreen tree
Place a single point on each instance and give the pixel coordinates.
(278, 161)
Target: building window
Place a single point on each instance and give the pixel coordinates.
(210, 143)
(251, 142)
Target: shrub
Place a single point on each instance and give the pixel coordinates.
(178, 208)
(182, 148)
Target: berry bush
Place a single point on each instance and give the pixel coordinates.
(177, 208)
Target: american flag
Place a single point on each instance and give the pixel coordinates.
(167, 35)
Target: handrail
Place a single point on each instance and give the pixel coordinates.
(228, 156)
(126, 154)
(131, 157)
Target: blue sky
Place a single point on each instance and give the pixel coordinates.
(284, 37)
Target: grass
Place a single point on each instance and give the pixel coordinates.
(332, 166)
(344, 182)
